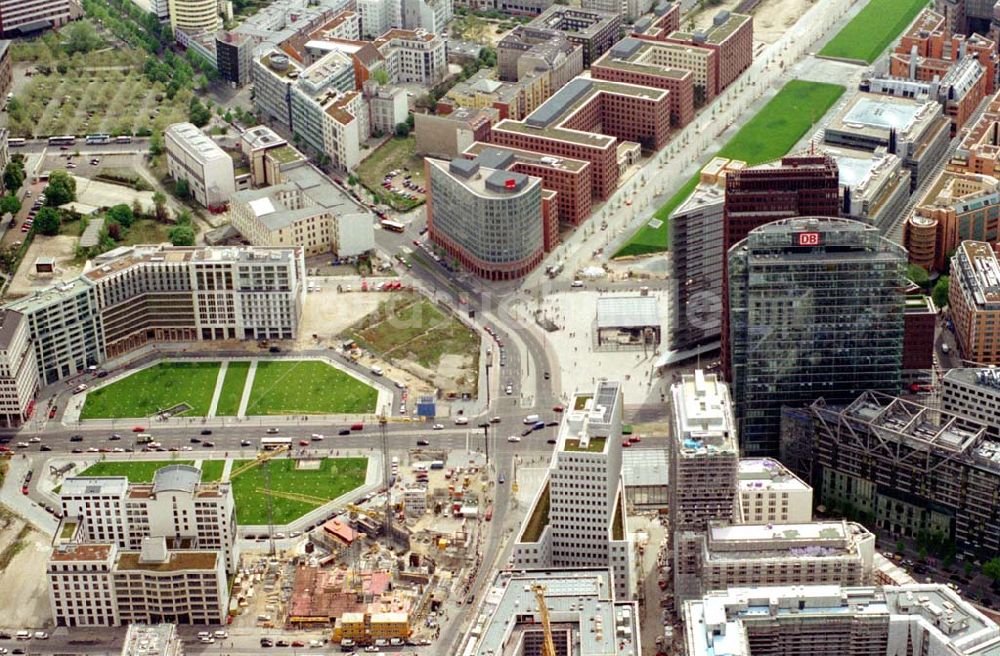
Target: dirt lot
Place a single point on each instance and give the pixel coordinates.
(771, 18)
(417, 336)
(62, 248)
(328, 313)
(23, 553)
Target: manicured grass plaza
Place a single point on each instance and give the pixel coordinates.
(284, 387)
(232, 389)
(294, 491)
(874, 28)
(156, 388)
(300, 387)
(769, 135)
(137, 471)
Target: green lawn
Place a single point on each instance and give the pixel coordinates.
(232, 389)
(307, 387)
(874, 28)
(775, 129)
(211, 470)
(156, 388)
(137, 471)
(334, 477)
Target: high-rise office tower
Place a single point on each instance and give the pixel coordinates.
(578, 516)
(815, 310)
(803, 185)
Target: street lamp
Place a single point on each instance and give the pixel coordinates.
(488, 364)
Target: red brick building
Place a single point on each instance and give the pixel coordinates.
(929, 53)
(919, 322)
(569, 178)
(634, 61)
(6, 70)
(566, 126)
(666, 18)
(801, 185)
(731, 38)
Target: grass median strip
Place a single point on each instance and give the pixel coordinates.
(769, 135)
(232, 389)
(872, 29)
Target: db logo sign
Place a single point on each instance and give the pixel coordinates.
(808, 239)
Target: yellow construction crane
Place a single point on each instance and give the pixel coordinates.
(548, 647)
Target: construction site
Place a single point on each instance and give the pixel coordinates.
(376, 572)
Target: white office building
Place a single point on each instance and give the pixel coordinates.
(703, 452)
(379, 16)
(831, 620)
(430, 15)
(974, 393)
(584, 616)
(176, 506)
(578, 517)
(18, 370)
(193, 156)
(152, 640)
(388, 107)
(306, 210)
(92, 585)
(413, 56)
(135, 295)
(159, 7)
(735, 555)
(771, 494)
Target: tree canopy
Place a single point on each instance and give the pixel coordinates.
(61, 189)
(48, 221)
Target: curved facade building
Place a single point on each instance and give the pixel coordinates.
(490, 219)
(194, 16)
(921, 240)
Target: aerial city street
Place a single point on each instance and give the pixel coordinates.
(499, 328)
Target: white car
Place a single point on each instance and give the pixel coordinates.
(208, 640)
(577, 283)
(461, 421)
(317, 437)
(514, 438)
(22, 445)
(118, 449)
(221, 635)
(92, 449)
(35, 439)
(272, 431)
(315, 643)
(437, 427)
(186, 448)
(509, 389)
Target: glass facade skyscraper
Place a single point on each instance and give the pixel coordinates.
(815, 310)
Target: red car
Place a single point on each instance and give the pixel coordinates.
(626, 443)
(138, 429)
(298, 643)
(303, 442)
(558, 408)
(24, 489)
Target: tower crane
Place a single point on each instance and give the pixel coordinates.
(548, 647)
